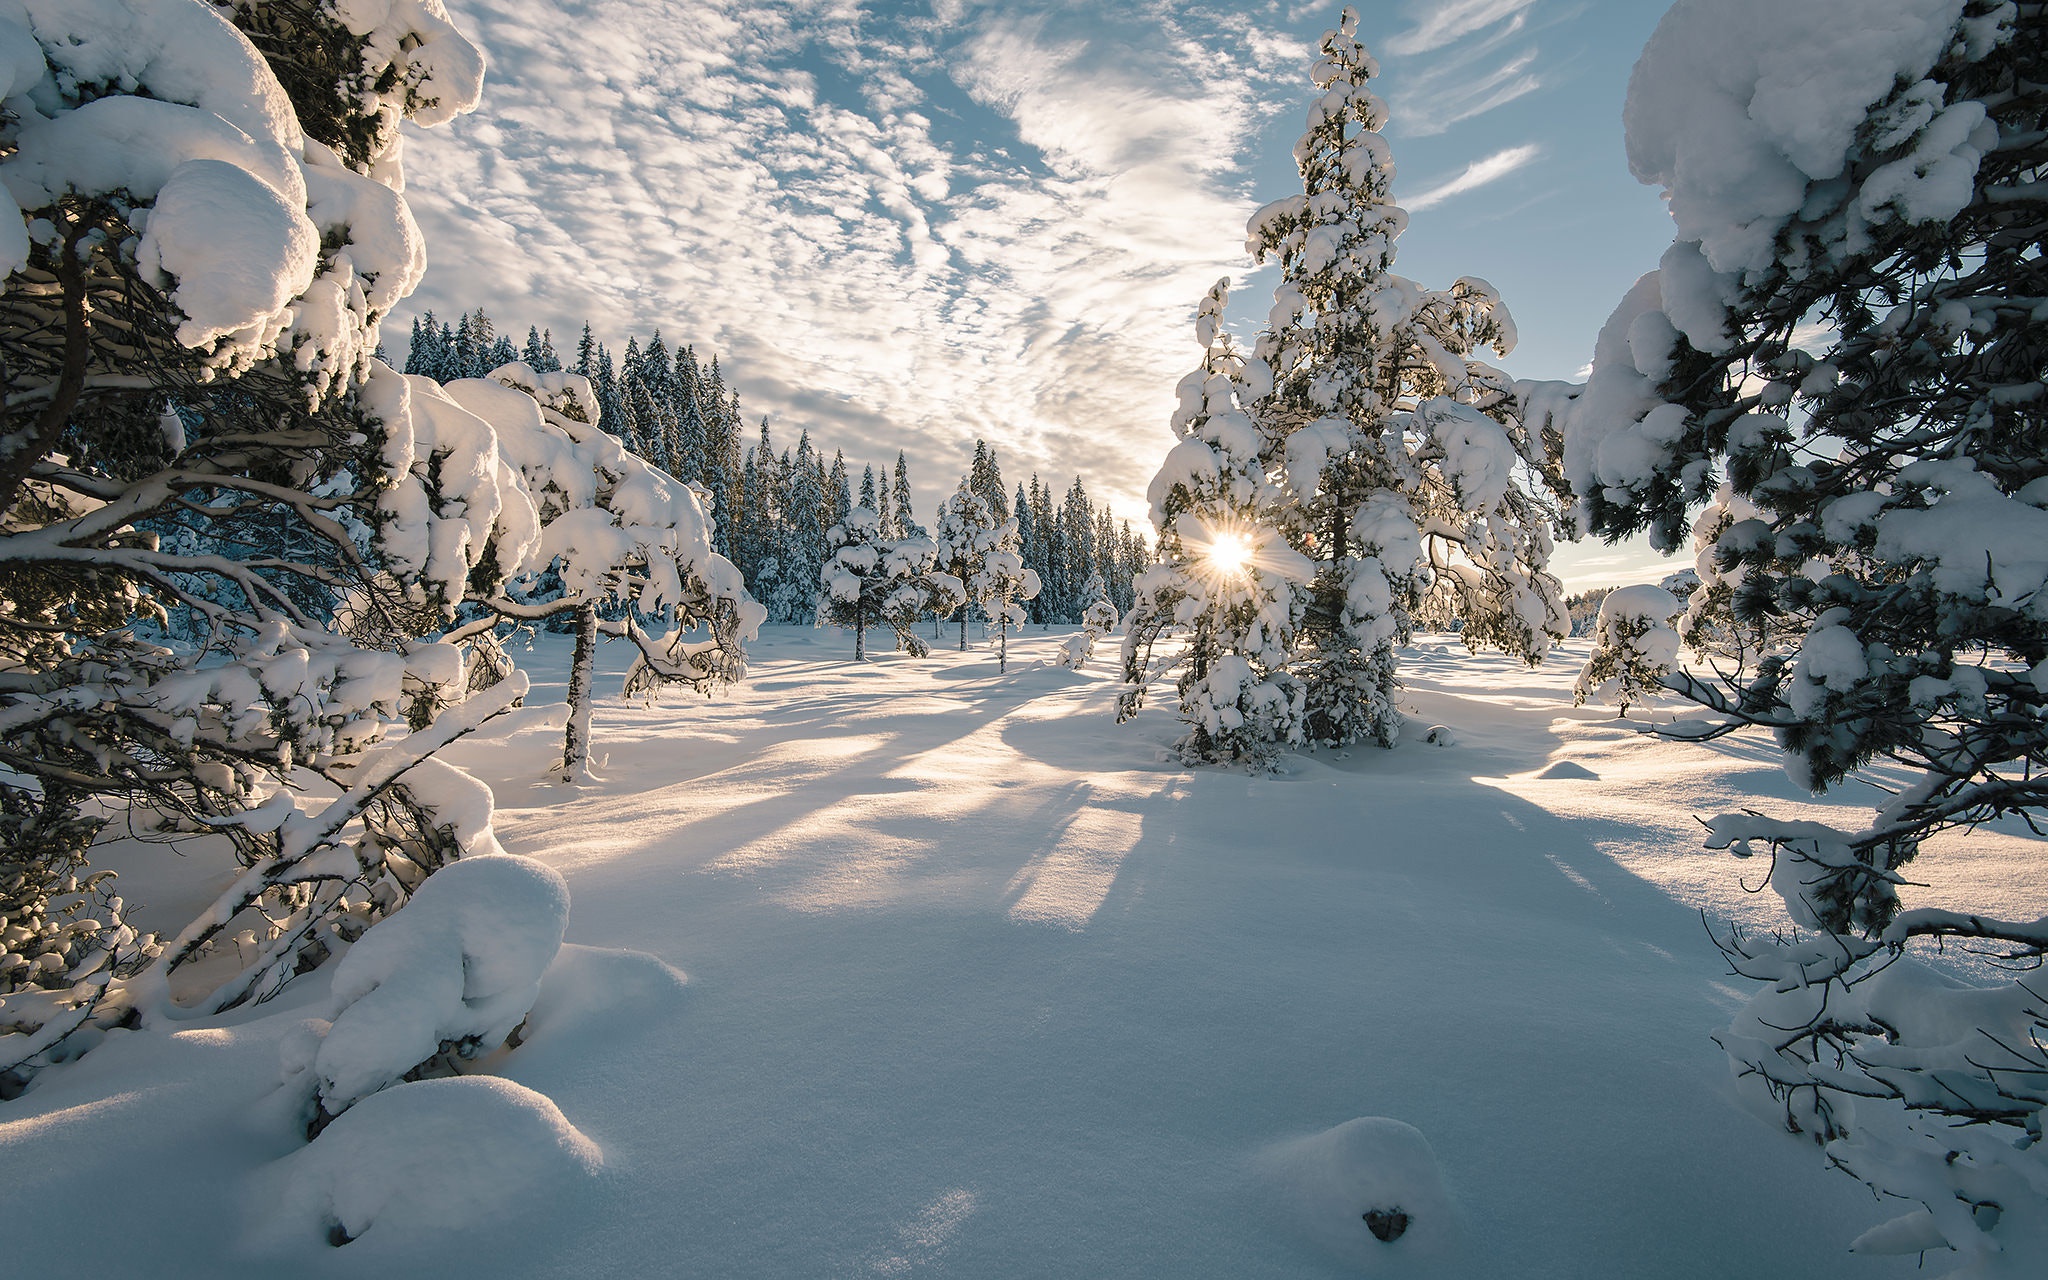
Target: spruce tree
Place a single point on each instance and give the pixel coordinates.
(901, 494)
(1405, 463)
(965, 535)
(1843, 375)
(1221, 608)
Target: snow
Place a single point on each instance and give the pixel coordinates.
(1328, 1182)
(462, 960)
(981, 985)
(1734, 127)
(421, 1160)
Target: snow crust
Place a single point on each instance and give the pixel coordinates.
(982, 986)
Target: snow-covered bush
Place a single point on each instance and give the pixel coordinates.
(1633, 647)
(421, 1159)
(1097, 621)
(449, 979)
(1844, 342)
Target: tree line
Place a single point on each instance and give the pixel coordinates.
(774, 509)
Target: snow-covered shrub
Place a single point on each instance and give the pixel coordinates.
(450, 978)
(1097, 621)
(427, 1157)
(1842, 355)
(1633, 647)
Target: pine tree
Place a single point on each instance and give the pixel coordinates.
(1403, 456)
(1225, 599)
(966, 534)
(867, 494)
(1846, 373)
(868, 580)
(586, 354)
(904, 516)
(838, 490)
(985, 478)
(1028, 547)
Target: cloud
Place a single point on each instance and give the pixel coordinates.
(902, 231)
(1444, 22)
(1477, 174)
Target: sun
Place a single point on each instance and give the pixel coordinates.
(1229, 554)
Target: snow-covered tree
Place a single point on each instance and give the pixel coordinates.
(967, 532)
(870, 580)
(613, 531)
(1097, 621)
(1221, 606)
(1000, 584)
(1634, 647)
(202, 226)
(1408, 470)
(1846, 333)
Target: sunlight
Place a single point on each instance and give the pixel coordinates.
(1230, 554)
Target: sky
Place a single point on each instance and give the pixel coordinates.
(908, 226)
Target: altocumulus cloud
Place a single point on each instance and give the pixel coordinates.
(902, 229)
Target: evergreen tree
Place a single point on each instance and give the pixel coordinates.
(904, 517)
(985, 478)
(1028, 547)
(965, 536)
(1403, 456)
(869, 580)
(1846, 371)
(1002, 581)
(586, 354)
(1226, 597)
(839, 490)
(800, 538)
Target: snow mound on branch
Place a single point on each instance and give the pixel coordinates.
(461, 962)
(1327, 1183)
(1734, 126)
(428, 1157)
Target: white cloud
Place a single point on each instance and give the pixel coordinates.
(1477, 174)
(1442, 22)
(899, 232)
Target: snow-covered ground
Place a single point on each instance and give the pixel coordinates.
(909, 967)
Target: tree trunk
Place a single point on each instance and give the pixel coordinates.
(576, 742)
(860, 634)
(1003, 650)
(963, 625)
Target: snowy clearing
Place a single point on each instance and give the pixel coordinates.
(978, 984)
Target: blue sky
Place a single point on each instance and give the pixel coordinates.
(906, 226)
